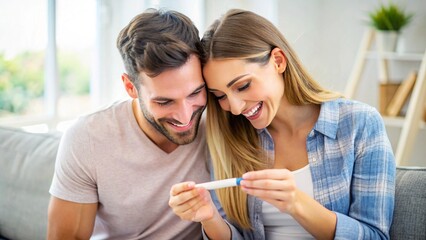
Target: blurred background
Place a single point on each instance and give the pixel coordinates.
(58, 58)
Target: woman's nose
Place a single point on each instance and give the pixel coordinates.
(236, 105)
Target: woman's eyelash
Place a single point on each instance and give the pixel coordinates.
(220, 97)
(244, 87)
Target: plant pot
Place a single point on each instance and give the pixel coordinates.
(386, 41)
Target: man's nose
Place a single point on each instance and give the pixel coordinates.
(184, 112)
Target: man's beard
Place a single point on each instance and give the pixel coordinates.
(180, 138)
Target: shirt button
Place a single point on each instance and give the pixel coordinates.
(314, 159)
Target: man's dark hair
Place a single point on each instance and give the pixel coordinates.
(157, 40)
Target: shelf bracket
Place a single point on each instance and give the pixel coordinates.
(413, 117)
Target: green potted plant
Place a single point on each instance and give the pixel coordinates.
(388, 20)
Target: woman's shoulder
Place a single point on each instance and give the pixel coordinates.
(348, 107)
(349, 112)
(345, 117)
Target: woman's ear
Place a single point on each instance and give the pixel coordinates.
(129, 86)
(279, 59)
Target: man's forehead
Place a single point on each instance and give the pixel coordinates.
(176, 82)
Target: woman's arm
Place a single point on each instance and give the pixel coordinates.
(370, 191)
(372, 186)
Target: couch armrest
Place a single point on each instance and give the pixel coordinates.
(409, 219)
(26, 169)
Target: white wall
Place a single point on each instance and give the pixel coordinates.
(112, 17)
(325, 33)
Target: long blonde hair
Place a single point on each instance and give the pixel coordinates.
(233, 142)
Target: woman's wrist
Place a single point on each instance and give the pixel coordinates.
(297, 206)
(216, 227)
(215, 220)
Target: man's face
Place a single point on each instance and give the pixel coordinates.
(174, 101)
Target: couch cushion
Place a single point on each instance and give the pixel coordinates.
(26, 170)
(409, 221)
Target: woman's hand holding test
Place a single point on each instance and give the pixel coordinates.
(278, 187)
(275, 186)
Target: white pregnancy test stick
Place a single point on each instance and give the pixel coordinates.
(230, 182)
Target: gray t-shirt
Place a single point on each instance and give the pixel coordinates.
(106, 158)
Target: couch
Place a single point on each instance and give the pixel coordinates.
(26, 170)
(27, 165)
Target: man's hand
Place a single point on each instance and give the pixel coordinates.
(190, 203)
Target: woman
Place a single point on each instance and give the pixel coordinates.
(314, 165)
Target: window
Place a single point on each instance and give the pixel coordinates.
(45, 60)
(22, 54)
(75, 40)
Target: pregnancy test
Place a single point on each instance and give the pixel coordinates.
(230, 182)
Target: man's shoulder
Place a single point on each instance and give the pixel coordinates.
(117, 107)
(102, 120)
(107, 113)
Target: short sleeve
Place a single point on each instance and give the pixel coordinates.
(74, 178)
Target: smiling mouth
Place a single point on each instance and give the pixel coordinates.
(177, 126)
(181, 125)
(253, 111)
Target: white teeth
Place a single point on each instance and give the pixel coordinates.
(253, 111)
(180, 125)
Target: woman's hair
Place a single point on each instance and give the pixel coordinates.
(233, 142)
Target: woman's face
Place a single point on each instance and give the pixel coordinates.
(250, 89)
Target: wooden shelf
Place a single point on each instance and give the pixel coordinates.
(413, 121)
(399, 122)
(395, 56)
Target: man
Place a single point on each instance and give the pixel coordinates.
(115, 167)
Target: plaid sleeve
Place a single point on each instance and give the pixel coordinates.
(372, 186)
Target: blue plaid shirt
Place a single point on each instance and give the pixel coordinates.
(353, 172)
